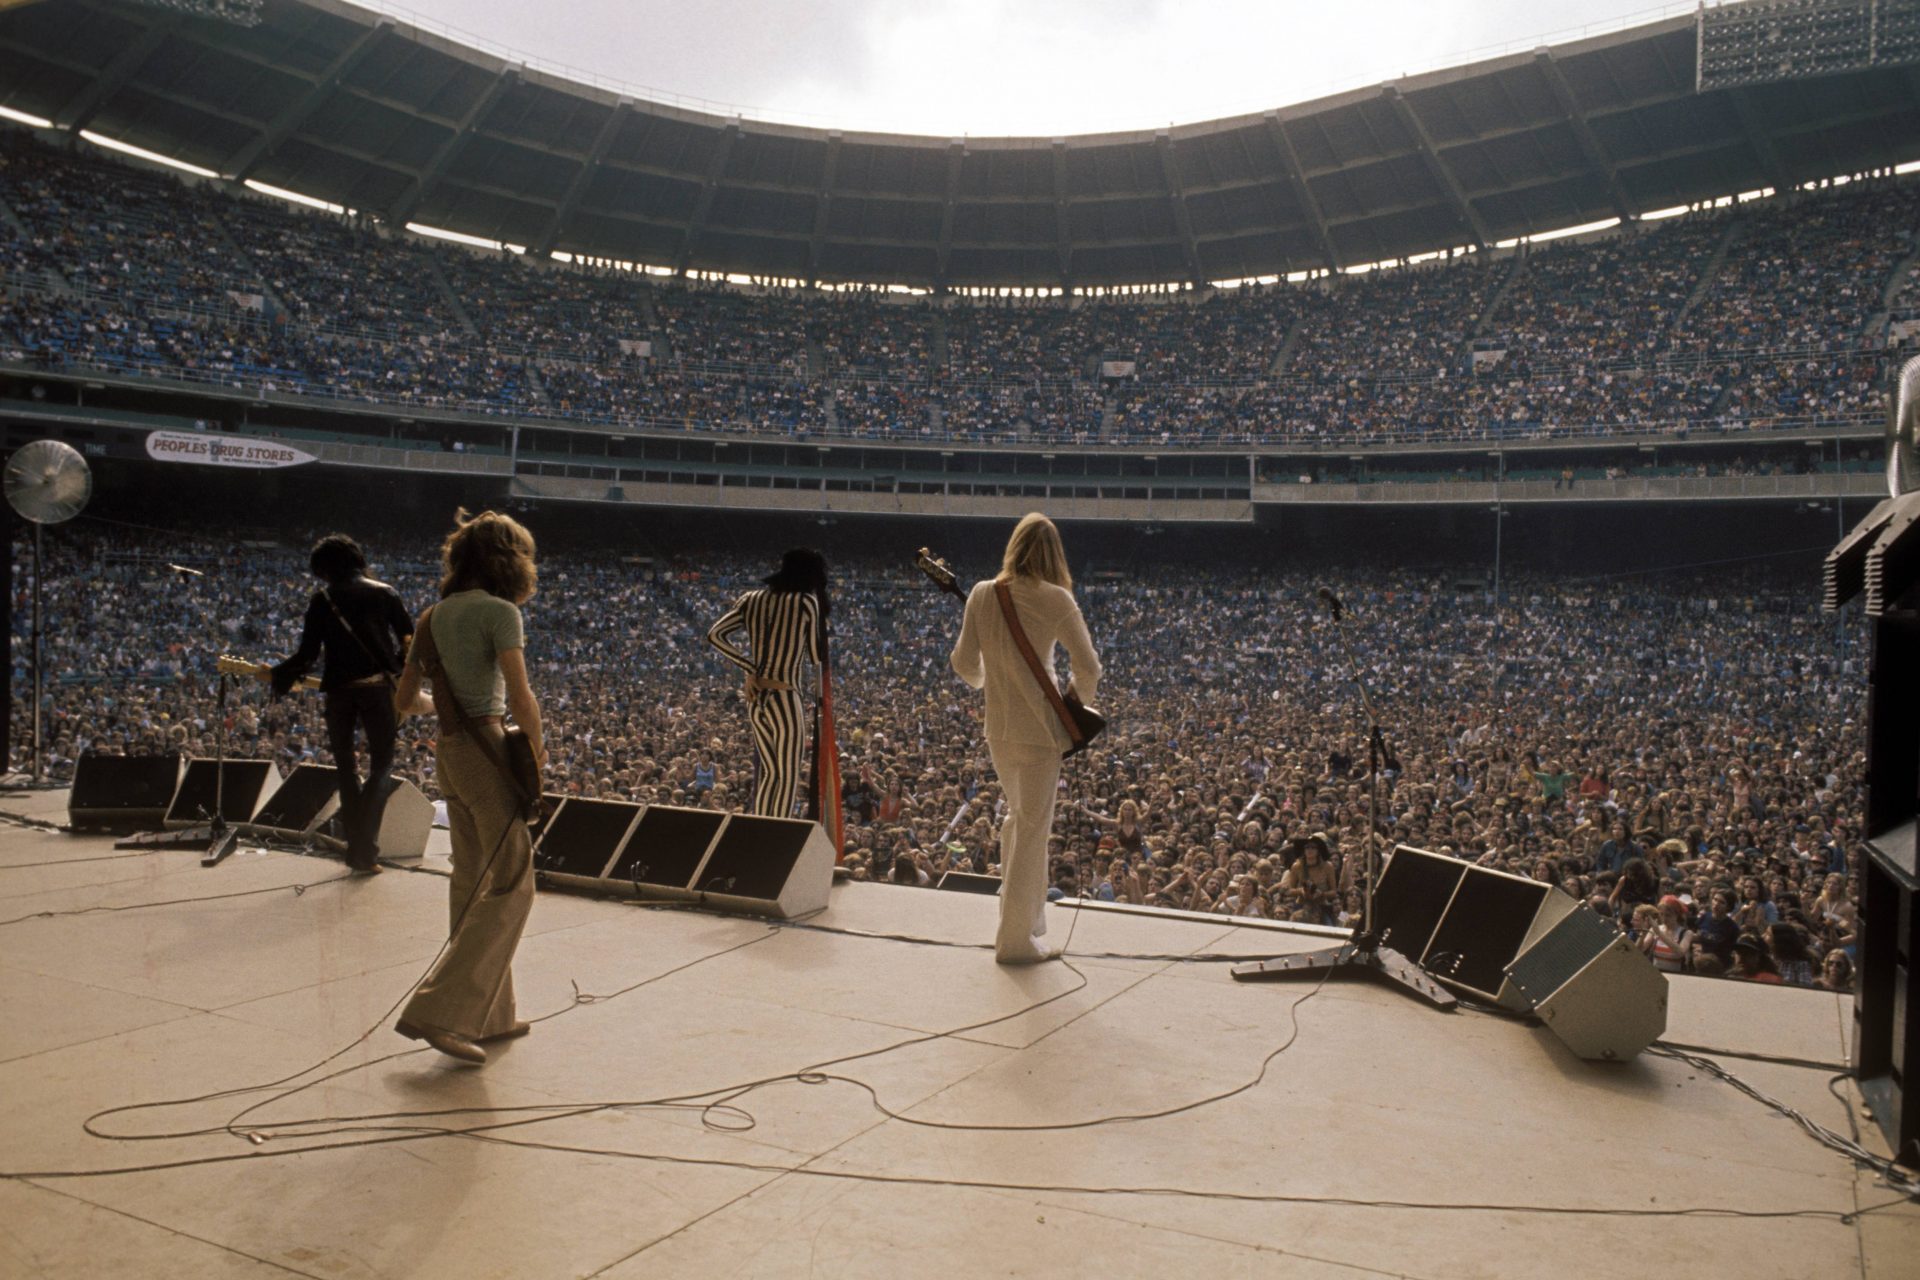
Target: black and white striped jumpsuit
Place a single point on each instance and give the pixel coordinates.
(782, 629)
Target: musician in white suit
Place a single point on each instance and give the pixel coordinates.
(1025, 735)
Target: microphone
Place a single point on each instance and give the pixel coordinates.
(1332, 602)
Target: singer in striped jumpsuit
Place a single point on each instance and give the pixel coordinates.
(782, 623)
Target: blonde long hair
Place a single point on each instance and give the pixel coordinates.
(1034, 551)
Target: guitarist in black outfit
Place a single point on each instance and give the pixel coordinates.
(364, 628)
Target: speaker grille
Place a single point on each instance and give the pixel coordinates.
(754, 856)
(125, 782)
(1562, 951)
(584, 835)
(1411, 896)
(241, 782)
(666, 848)
(1483, 929)
(300, 798)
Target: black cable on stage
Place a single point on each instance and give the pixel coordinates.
(64, 862)
(298, 890)
(239, 1091)
(1896, 1179)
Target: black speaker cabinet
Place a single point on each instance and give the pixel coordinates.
(244, 786)
(305, 799)
(968, 882)
(768, 866)
(1881, 558)
(122, 793)
(666, 850)
(1886, 1005)
(1461, 923)
(580, 840)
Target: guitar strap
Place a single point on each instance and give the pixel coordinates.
(1033, 664)
(450, 709)
(341, 618)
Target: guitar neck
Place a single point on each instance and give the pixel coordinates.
(228, 665)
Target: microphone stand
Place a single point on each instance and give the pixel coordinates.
(219, 836)
(1362, 952)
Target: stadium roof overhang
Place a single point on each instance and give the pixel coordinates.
(368, 112)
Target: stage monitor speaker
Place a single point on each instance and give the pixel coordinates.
(244, 786)
(666, 850)
(538, 826)
(122, 793)
(768, 866)
(1592, 988)
(580, 841)
(405, 822)
(305, 799)
(968, 882)
(1411, 896)
(1461, 923)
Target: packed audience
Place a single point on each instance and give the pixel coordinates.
(1723, 319)
(1682, 753)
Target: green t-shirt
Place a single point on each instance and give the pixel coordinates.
(471, 629)
(1553, 785)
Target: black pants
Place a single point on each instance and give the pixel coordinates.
(361, 804)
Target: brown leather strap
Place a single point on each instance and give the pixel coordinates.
(1033, 663)
(460, 723)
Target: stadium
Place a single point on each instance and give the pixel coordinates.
(1464, 479)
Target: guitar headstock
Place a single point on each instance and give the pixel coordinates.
(228, 665)
(937, 569)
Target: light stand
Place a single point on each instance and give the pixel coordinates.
(1362, 953)
(46, 482)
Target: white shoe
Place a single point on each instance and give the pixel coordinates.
(1038, 955)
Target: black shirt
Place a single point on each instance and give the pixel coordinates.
(380, 624)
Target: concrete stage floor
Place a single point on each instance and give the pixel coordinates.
(1377, 1099)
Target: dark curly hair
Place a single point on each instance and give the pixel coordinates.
(337, 557)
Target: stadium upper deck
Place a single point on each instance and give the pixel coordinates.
(373, 114)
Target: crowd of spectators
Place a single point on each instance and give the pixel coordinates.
(1730, 317)
(1682, 753)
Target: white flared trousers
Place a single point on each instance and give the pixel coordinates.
(1029, 775)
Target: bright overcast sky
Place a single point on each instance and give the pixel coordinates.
(987, 67)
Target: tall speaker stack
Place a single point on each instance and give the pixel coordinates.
(780, 867)
(1880, 558)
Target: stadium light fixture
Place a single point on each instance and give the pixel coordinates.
(1585, 228)
(114, 144)
(22, 117)
(461, 237)
(295, 197)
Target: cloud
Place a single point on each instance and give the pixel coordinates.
(1036, 67)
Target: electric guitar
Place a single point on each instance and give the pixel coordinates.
(942, 577)
(228, 665)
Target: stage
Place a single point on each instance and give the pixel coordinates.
(1355, 1156)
